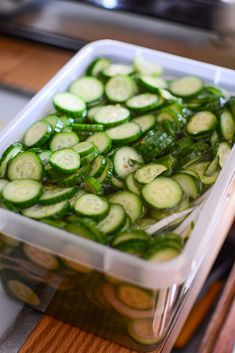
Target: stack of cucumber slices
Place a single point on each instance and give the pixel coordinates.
(124, 148)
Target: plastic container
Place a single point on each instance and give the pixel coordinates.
(85, 283)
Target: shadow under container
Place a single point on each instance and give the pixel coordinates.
(112, 294)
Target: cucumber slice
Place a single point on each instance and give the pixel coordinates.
(212, 167)
(76, 178)
(8, 154)
(84, 148)
(201, 124)
(112, 115)
(125, 133)
(145, 67)
(73, 200)
(92, 113)
(102, 141)
(162, 253)
(3, 182)
(200, 168)
(107, 173)
(120, 88)
(132, 185)
(91, 225)
(25, 165)
(191, 186)
(63, 140)
(186, 87)
(22, 292)
(93, 185)
(227, 125)
(135, 297)
(54, 194)
(41, 257)
(223, 153)
(146, 122)
(91, 206)
(117, 69)
(78, 229)
(55, 211)
(90, 89)
(52, 175)
(132, 241)
(88, 127)
(166, 114)
(162, 193)
(144, 102)
(151, 83)
(66, 160)
(97, 66)
(126, 160)
(98, 166)
(70, 104)
(114, 221)
(45, 156)
(149, 172)
(168, 161)
(159, 214)
(22, 193)
(141, 330)
(38, 134)
(88, 158)
(116, 183)
(55, 122)
(131, 202)
(111, 297)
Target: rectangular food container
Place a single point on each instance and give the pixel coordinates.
(80, 281)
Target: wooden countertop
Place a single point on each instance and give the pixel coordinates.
(29, 65)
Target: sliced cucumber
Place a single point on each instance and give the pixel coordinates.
(135, 297)
(166, 114)
(23, 292)
(90, 89)
(146, 122)
(54, 194)
(114, 221)
(38, 134)
(45, 156)
(76, 178)
(148, 172)
(112, 115)
(22, 193)
(88, 127)
(212, 167)
(54, 211)
(3, 182)
(162, 193)
(126, 160)
(73, 200)
(25, 165)
(186, 87)
(223, 153)
(97, 66)
(117, 69)
(55, 122)
(70, 104)
(41, 257)
(141, 330)
(200, 168)
(145, 67)
(84, 148)
(102, 141)
(63, 140)
(132, 185)
(227, 125)
(93, 185)
(201, 124)
(92, 113)
(152, 83)
(143, 102)
(88, 158)
(116, 183)
(120, 88)
(91, 205)
(125, 133)
(131, 202)
(66, 160)
(98, 166)
(132, 241)
(190, 185)
(107, 173)
(8, 154)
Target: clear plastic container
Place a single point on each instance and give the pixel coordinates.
(85, 283)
